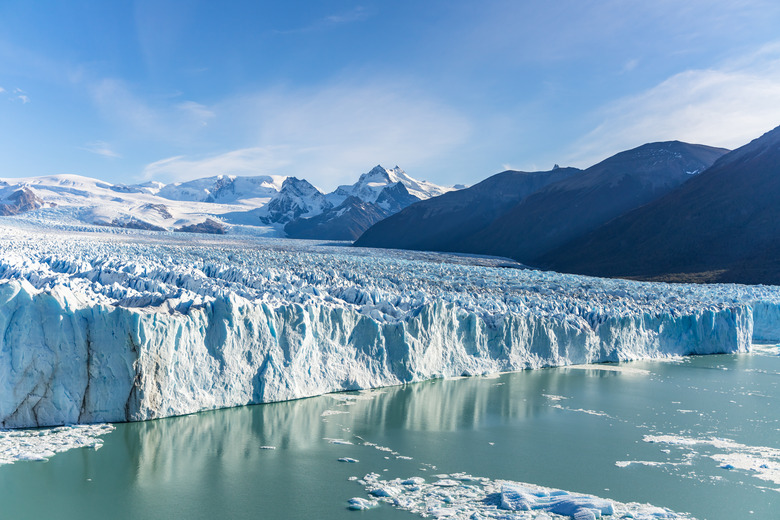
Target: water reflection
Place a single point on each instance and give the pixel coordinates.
(235, 437)
(564, 428)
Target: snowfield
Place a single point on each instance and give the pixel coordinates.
(104, 327)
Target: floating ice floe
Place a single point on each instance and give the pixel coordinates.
(761, 462)
(360, 504)
(461, 496)
(40, 444)
(328, 413)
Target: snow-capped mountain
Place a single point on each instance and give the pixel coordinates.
(17, 200)
(297, 198)
(370, 186)
(354, 208)
(224, 189)
(260, 205)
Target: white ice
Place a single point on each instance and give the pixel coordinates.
(16, 445)
(462, 496)
(98, 327)
(762, 462)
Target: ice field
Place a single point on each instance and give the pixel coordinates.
(129, 326)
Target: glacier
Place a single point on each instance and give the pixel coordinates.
(110, 327)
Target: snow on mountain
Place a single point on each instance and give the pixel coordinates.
(354, 208)
(14, 201)
(264, 203)
(296, 198)
(370, 185)
(225, 189)
(105, 327)
(72, 198)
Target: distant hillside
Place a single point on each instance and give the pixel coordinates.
(442, 223)
(722, 225)
(568, 209)
(525, 215)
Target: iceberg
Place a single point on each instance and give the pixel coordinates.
(105, 327)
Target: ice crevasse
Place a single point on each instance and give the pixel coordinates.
(119, 330)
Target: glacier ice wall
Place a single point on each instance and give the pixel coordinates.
(101, 328)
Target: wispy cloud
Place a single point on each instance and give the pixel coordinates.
(357, 14)
(162, 120)
(630, 65)
(326, 135)
(101, 148)
(245, 161)
(723, 106)
(16, 94)
(195, 112)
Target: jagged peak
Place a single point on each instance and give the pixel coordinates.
(301, 187)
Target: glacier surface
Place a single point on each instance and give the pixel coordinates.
(102, 327)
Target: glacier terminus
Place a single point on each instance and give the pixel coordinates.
(129, 325)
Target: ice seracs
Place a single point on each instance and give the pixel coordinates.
(102, 327)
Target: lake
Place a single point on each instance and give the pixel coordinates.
(699, 435)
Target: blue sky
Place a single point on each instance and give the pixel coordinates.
(451, 91)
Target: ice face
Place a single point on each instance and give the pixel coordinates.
(102, 327)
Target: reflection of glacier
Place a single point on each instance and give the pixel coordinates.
(138, 326)
(170, 449)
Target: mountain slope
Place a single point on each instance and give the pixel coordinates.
(262, 205)
(344, 222)
(296, 198)
(371, 184)
(441, 223)
(722, 225)
(566, 210)
(376, 195)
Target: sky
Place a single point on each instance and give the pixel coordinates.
(451, 91)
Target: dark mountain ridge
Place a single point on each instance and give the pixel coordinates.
(568, 209)
(441, 223)
(722, 225)
(525, 215)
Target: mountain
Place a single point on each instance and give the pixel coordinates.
(566, 210)
(14, 201)
(297, 198)
(344, 222)
(370, 185)
(442, 223)
(525, 215)
(375, 196)
(223, 189)
(259, 205)
(722, 225)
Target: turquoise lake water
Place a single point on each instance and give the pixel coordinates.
(583, 430)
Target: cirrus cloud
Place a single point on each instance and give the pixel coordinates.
(724, 106)
(326, 135)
